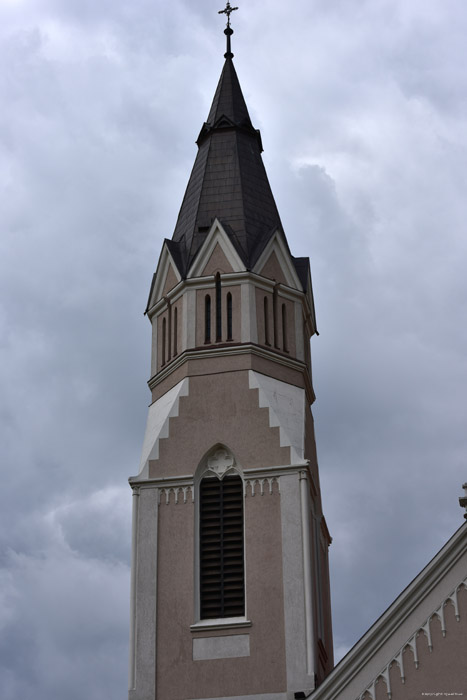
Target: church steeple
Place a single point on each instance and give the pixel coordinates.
(230, 589)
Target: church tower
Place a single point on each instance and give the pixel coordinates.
(230, 585)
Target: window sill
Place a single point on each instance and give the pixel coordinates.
(221, 623)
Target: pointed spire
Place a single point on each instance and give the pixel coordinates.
(228, 99)
(228, 180)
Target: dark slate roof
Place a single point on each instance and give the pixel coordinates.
(302, 267)
(228, 182)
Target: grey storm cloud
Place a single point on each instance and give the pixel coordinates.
(363, 117)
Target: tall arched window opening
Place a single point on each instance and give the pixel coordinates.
(164, 338)
(169, 333)
(284, 328)
(218, 308)
(222, 571)
(274, 317)
(207, 319)
(266, 321)
(175, 330)
(229, 316)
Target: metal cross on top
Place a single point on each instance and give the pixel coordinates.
(228, 11)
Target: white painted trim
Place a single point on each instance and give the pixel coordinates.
(286, 404)
(230, 278)
(165, 260)
(293, 583)
(188, 480)
(277, 245)
(221, 623)
(226, 350)
(225, 647)
(146, 597)
(134, 560)
(157, 426)
(216, 235)
(309, 622)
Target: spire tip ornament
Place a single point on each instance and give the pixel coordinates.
(228, 31)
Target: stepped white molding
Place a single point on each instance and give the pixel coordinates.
(286, 404)
(157, 426)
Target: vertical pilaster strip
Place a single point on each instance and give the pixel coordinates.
(245, 313)
(190, 318)
(309, 628)
(146, 596)
(154, 345)
(293, 578)
(134, 564)
(253, 320)
(299, 339)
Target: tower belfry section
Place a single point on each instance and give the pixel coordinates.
(230, 585)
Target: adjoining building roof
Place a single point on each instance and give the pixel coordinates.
(397, 628)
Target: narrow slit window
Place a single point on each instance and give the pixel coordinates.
(218, 308)
(266, 321)
(169, 332)
(164, 334)
(274, 317)
(229, 316)
(175, 330)
(207, 319)
(222, 571)
(284, 328)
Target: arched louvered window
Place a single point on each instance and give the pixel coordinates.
(175, 330)
(284, 328)
(266, 321)
(218, 308)
(229, 316)
(207, 319)
(222, 571)
(164, 339)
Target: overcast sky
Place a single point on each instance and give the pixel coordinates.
(362, 105)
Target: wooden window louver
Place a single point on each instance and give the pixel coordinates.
(222, 577)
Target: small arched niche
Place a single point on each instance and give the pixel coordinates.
(219, 461)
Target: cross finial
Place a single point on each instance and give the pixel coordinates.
(228, 31)
(227, 11)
